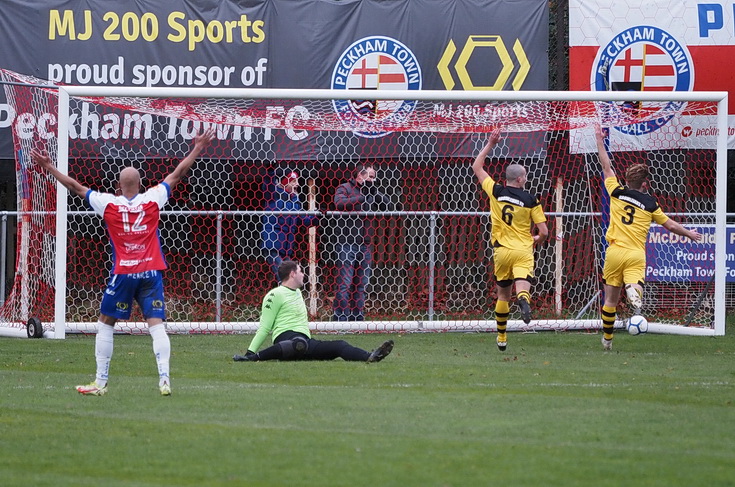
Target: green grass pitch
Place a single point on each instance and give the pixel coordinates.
(442, 410)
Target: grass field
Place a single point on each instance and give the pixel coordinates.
(442, 410)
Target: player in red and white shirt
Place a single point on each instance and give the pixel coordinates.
(133, 226)
(132, 222)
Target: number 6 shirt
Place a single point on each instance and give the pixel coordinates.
(511, 211)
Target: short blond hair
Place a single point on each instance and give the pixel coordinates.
(636, 175)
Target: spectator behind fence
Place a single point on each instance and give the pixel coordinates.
(354, 241)
(279, 230)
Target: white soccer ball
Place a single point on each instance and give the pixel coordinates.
(637, 324)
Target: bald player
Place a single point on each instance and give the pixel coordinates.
(132, 221)
(514, 211)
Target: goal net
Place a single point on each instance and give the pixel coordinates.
(430, 263)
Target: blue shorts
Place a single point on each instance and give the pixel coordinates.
(145, 287)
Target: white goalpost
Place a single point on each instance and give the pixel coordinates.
(431, 262)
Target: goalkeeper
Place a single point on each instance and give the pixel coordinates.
(512, 210)
(632, 210)
(284, 316)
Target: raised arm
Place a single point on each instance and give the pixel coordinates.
(478, 166)
(44, 161)
(679, 229)
(200, 142)
(607, 170)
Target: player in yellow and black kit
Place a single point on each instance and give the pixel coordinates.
(512, 211)
(632, 210)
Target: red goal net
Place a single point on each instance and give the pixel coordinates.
(430, 263)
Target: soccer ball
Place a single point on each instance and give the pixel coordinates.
(637, 324)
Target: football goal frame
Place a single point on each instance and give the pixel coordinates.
(65, 93)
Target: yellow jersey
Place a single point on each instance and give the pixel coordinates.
(631, 214)
(511, 212)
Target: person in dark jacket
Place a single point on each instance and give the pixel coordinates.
(353, 235)
(279, 230)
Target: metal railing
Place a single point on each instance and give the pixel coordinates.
(433, 217)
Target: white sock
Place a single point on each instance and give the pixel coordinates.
(103, 352)
(162, 351)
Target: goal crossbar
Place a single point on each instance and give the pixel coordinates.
(427, 95)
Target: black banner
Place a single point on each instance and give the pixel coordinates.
(368, 44)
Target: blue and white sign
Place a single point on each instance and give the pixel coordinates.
(672, 258)
(375, 63)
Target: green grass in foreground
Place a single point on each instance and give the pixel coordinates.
(442, 410)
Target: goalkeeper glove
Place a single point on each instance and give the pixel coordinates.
(249, 356)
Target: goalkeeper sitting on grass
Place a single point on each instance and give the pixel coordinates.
(284, 316)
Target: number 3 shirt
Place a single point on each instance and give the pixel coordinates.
(511, 212)
(133, 228)
(631, 213)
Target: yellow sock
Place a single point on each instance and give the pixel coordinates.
(608, 321)
(502, 310)
(525, 295)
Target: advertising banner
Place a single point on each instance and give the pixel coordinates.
(671, 258)
(658, 45)
(320, 44)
